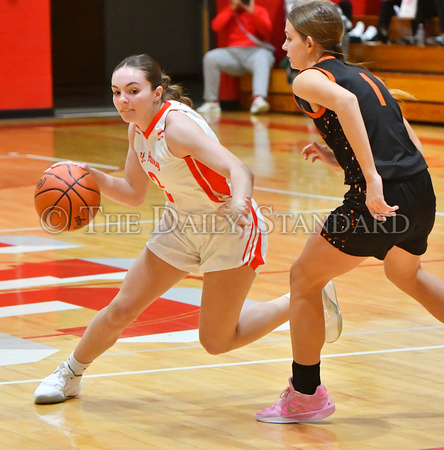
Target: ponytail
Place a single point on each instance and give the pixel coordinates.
(173, 91)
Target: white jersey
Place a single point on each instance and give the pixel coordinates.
(183, 237)
(190, 187)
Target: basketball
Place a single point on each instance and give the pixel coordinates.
(66, 198)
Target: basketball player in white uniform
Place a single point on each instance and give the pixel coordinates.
(204, 241)
(210, 225)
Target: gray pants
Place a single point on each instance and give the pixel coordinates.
(237, 61)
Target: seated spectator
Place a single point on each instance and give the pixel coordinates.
(426, 10)
(248, 27)
(386, 12)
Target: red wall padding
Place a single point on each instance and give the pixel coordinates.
(25, 55)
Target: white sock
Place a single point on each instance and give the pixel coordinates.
(75, 366)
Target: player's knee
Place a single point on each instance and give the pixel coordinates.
(213, 345)
(400, 279)
(119, 315)
(303, 283)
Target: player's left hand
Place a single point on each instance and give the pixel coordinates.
(238, 212)
(376, 203)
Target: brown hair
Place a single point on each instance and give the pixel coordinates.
(320, 20)
(154, 75)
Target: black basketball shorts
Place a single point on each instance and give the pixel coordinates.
(351, 228)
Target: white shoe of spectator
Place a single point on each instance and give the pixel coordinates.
(369, 33)
(209, 108)
(355, 35)
(259, 106)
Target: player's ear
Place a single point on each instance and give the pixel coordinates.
(158, 93)
(310, 42)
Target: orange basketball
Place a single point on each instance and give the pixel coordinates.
(66, 198)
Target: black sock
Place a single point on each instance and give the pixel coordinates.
(306, 378)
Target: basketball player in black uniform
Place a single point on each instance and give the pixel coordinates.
(388, 211)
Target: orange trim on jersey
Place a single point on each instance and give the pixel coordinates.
(375, 88)
(320, 113)
(156, 119)
(329, 75)
(210, 181)
(324, 58)
(381, 80)
(250, 238)
(255, 258)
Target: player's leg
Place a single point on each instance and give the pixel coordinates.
(223, 324)
(147, 279)
(318, 263)
(405, 271)
(306, 399)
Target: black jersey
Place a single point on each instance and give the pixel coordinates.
(394, 153)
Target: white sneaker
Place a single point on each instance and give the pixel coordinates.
(332, 313)
(209, 108)
(259, 106)
(358, 30)
(369, 33)
(58, 386)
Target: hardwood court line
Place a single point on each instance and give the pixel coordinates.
(297, 194)
(162, 349)
(54, 159)
(243, 363)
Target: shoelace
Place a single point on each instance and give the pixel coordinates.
(62, 374)
(285, 393)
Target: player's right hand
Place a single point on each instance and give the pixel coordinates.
(83, 166)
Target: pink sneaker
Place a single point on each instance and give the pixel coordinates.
(296, 407)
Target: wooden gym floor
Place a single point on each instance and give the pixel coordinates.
(157, 388)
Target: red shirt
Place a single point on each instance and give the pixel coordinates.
(258, 24)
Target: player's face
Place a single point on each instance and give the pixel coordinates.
(134, 97)
(295, 47)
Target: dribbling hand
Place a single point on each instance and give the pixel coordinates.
(83, 166)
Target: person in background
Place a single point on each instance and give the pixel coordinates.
(386, 12)
(247, 28)
(426, 10)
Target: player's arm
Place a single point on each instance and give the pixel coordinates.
(317, 89)
(130, 190)
(185, 138)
